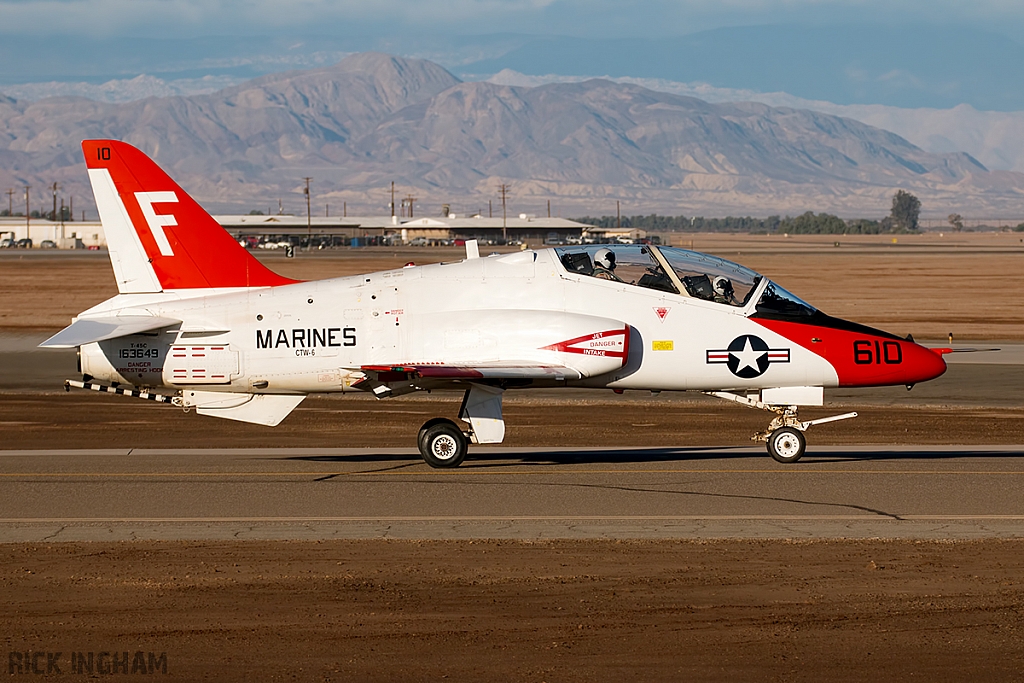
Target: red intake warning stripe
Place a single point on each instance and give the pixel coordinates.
(613, 343)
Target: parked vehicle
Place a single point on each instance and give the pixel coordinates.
(47, 244)
(7, 243)
(25, 243)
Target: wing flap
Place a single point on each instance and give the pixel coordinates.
(87, 330)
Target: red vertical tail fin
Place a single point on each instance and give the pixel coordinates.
(158, 236)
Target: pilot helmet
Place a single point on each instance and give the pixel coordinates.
(605, 258)
(723, 286)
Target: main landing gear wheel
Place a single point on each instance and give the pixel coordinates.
(786, 444)
(442, 444)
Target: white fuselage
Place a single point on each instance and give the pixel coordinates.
(315, 336)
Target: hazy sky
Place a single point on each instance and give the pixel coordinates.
(189, 18)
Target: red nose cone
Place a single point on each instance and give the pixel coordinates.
(862, 356)
(870, 361)
(924, 364)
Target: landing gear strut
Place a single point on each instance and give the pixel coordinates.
(784, 436)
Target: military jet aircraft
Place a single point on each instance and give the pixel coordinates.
(200, 323)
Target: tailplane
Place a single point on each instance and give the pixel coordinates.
(158, 236)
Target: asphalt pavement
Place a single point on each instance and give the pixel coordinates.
(522, 493)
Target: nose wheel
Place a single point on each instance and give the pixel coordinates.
(786, 445)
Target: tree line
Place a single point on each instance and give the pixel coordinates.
(903, 217)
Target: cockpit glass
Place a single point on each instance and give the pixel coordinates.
(712, 278)
(632, 264)
(777, 302)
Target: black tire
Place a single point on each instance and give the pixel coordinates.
(786, 445)
(443, 444)
(420, 439)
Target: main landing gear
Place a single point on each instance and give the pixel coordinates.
(443, 443)
(785, 434)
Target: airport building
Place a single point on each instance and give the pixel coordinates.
(67, 235)
(339, 231)
(524, 228)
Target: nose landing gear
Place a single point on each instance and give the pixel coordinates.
(784, 436)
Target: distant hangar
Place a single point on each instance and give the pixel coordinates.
(523, 229)
(343, 230)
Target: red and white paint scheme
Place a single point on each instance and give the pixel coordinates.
(200, 323)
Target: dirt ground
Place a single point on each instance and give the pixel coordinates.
(86, 420)
(541, 611)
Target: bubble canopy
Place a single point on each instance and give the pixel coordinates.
(680, 271)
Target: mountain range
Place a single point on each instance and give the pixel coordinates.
(373, 118)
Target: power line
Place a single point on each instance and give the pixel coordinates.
(504, 189)
(309, 220)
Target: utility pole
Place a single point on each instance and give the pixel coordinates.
(503, 188)
(71, 210)
(490, 211)
(618, 216)
(62, 218)
(327, 210)
(27, 211)
(410, 199)
(309, 218)
(392, 200)
(53, 216)
(10, 203)
(549, 208)
(344, 209)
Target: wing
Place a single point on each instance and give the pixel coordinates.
(392, 380)
(587, 355)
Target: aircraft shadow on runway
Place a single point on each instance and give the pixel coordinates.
(510, 457)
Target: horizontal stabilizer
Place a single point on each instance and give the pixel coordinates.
(88, 330)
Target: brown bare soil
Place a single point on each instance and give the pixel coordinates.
(85, 420)
(515, 611)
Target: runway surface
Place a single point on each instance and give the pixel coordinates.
(522, 493)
